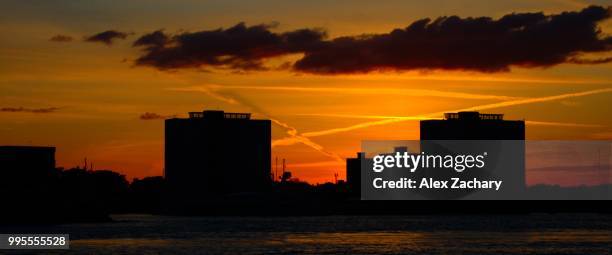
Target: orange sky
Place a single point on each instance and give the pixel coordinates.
(100, 94)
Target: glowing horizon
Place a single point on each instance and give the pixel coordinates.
(71, 78)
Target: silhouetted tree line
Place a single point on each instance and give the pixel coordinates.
(110, 192)
(79, 194)
(75, 194)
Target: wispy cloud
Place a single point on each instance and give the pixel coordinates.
(602, 170)
(352, 90)
(107, 37)
(208, 91)
(155, 116)
(316, 164)
(30, 110)
(604, 135)
(61, 38)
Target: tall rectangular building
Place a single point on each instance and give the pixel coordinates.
(216, 152)
(353, 173)
(475, 126)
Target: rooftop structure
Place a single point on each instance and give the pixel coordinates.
(472, 126)
(212, 114)
(472, 116)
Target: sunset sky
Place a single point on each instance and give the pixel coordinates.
(96, 80)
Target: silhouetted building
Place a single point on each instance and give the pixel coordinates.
(477, 126)
(286, 176)
(472, 126)
(217, 152)
(27, 158)
(27, 175)
(26, 165)
(353, 173)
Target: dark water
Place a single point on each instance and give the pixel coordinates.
(473, 234)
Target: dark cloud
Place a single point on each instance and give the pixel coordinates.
(480, 44)
(239, 47)
(106, 37)
(475, 44)
(155, 116)
(31, 110)
(61, 38)
(154, 39)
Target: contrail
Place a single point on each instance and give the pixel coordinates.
(365, 91)
(357, 126)
(291, 131)
(475, 108)
(470, 78)
(561, 124)
(538, 99)
(528, 122)
(208, 92)
(353, 116)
